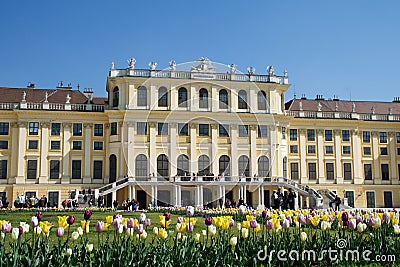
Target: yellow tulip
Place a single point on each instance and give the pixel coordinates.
(258, 228)
(303, 236)
(62, 222)
(314, 220)
(246, 224)
(396, 229)
(163, 222)
(325, 218)
(46, 226)
(275, 222)
(249, 217)
(193, 221)
(162, 233)
(109, 219)
(182, 228)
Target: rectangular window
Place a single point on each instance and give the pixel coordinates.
(53, 199)
(31, 169)
(98, 130)
(311, 135)
(398, 138)
(243, 130)
(346, 150)
(330, 171)
(294, 170)
(347, 171)
(54, 169)
(262, 131)
(4, 128)
(383, 137)
(328, 135)
(162, 128)
(328, 149)
(388, 199)
(98, 145)
(385, 172)
(3, 144)
(294, 149)
(384, 151)
(283, 132)
(350, 198)
(345, 135)
(33, 128)
(370, 199)
(114, 128)
(76, 145)
(97, 169)
(368, 171)
(367, 150)
(55, 145)
(311, 149)
(3, 169)
(398, 151)
(183, 129)
(141, 128)
(76, 169)
(33, 144)
(55, 129)
(223, 130)
(366, 137)
(77, 129)
(293, 134)
(312, 171)
(204, 130)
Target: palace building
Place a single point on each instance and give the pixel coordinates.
(196, 134)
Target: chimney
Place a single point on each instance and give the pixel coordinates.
(319, 97)
(88, 92)
(396, 99)
(335, 98)
(303, 97)
(31, 85)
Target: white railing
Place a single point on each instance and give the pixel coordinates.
(52, 106)
(8, 105)
(342, 115)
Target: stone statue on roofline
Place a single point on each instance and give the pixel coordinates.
(353, 107)
(132, 63)
(232, 68)
(67, 99)
(153, 65)
(112, 65)
(46, 96)
(24, 97)
(172, 65)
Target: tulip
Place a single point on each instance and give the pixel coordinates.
(25, 227)
(80, 231)
(268, 225)
(71, 219)
(167, 216)
(378, 223)
(189, 228)
(396, 229)
(87, 215)
(301, 219)
(208, 220)
(130, 223)
(245, 232)
(264, 214)
(242, 209)
(3, 235)
(100, 226)
(21, 229)
(285, 224)
(352, 224)
(253, 223)
(239, 226)
(142, 218)
(60, 232)
(155, 230)
(190, 211)
(361, 227)
(359, 220)
(68, 252)
(37, 230)
(180, 219)
(117, 223)
(233, 241)
(303, 236)
(14, 233)
(89, 248)
(204, 232)
(6, 228)
(325, 225)
(143, 236)
(231, 223)
(121, 229)
(197, 237)
(39, 216)
(147, 222)
(162, 233)
(371, 221)
(212, 230)
(139, 229)
(34, 221)
(345, 216)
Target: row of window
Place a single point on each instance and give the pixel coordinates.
(142, 98)
(55, 145)
(366, 137)
(346, 150)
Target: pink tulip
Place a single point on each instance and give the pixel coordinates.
(100, 226)
(60, 232)
(268, 225)
(253, 223)
(139, 229)
(180, 219)
(147, 222)
(130, 223)
(6, 228)
(189, 228)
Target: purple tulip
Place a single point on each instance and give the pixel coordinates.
(167, 216)
(180, 219)
(6, 228)
(208, 221)
(116, 215)
(268, 225)
(117, 223)
(345, 216)
(352, 224)
(189, 228)
(147, 222)
(359, 220)
(60, 232)
(286, 224)
(232, 223)
(71, 219)
(39, 216)
(88, 214)
(302, 219)
(371, 221)
(253, 223)
(100, 226)
(130, 223)
(142, 217)
(386, 217)
(21, 229)
(125, 227)
(289, 219)
(139, 229)
(264, 214)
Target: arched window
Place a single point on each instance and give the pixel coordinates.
(141, 166)
(223, 99)
(263, 166)
(244, 166)
(204, 165)
(115, 102)
(261, 100)
(142, 96)
(224, 165)
(162, 166)
(183, 165)
(113, 168)
(182, 97)
(203, 98)
(285, 167)
(162, 97)
(242, 99)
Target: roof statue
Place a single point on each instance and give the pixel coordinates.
(319, 106)
(373, 110)
(204, 66)
(251, 70)
(46, 96)
(336, 107)
(24, 97)
(112, 65)
(132, 63)
(301, 106)
(353, 107)
(172, 65)
(232, 68)
(285, 73)
(67, 99)
(153, 65)
(270, 71)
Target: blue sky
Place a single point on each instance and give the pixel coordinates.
(344, 48)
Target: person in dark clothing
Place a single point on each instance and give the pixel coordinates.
(337, 203)
(291, 198)
(285, 201)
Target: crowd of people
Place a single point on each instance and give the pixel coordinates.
(284, 200)
(31, 202)
(132, 205)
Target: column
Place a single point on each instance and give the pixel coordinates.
(253, 99)
(375, 152)
(14, 157)
(173, 133)
(175, 195)
(152, 149)
(107, 152)
(197, 196)
(173, 99)
(131, 143)
(88, 148)
(234, 100)
(356, 144)
(179, 198)
(132, 96)
(234, 152)
(274, 160)
(153, 97)
(244, 194)
(44, 148)
(253, 149)
(259, 196)
(393, 166)
(133, 191)
(66, 170)
(338, 157)
(214, 99)
(194, 99)
(201, 204)
(262, 196)
(223, 195)
(193, 155)
(20, 179)
(303, 157)
(122, 156)
(320, 156)
(214, 148)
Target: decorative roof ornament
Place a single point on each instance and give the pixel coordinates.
(232, 68)
(285, 73)
(251, 70)
(132, 63)
(373, 110)
(353, 107)
(390, 111)
(172, 65)
(112, 65)
(270, 70)
(153, 65)
(24, 97)
(67, 99)
(319, 106)
(336, 107)
(204, 66)
(46, 96)
(301, 106)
